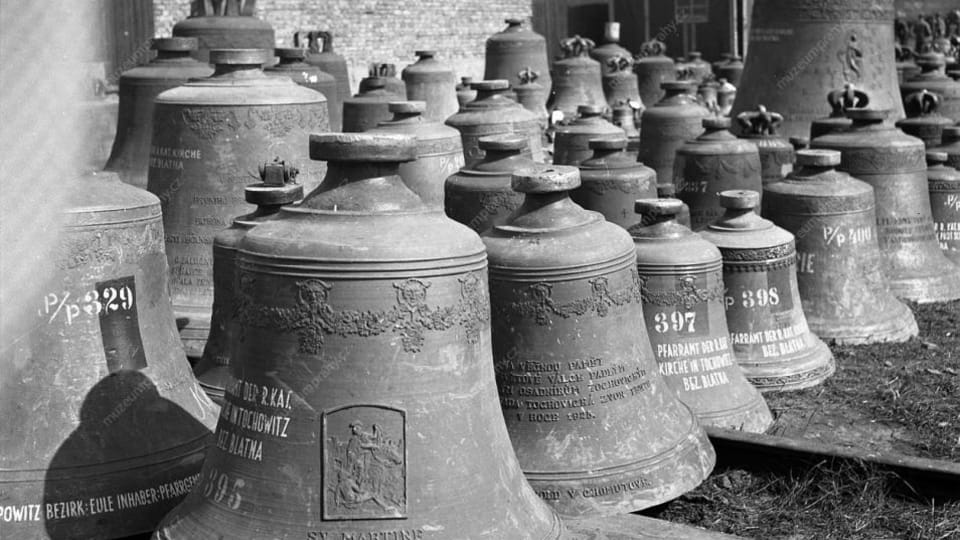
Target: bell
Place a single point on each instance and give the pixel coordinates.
(933, 77)
(768, 329)
(514, 49)
(439, 152)
(388, 73)
(277, 188)
(844, 293)
(707, 95)
(682, 289)
(800, 50)
(944, 184)
(624, 117)
(571, 140)
(611, 47)
(840, 101)
(776, 153)
(951, 146)
(923, 119)
(369, 107)
(726, 94)
(365, 397)
(700, 70)
(493, 113)
(227, 24)
(665, 126)
(906, 67)
(139, 86)
(620, 83)
(669, 191)
(653, 68)
(595, 428)
(532, 96)
(465, 92)
(611, 180)
(432, 82)
(576, 79)
(894, 164)
(713, 162)
(209, 137)
(732, 71)
(479, 196)
(320, 53)
(104, 427)
(293, 65)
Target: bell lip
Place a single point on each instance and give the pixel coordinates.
(240, 57)
(545, 178)
(363, 147)
(818, 157)
(410, 106)
(425, 53)
(175, 43)
(866, 115)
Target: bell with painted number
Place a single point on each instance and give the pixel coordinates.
(278, 188)
(683, 306)
(430, 81)
(210, 137)
(944, 184)
(611, 47)
(776, 153)
(293, 64)
(839, 100)
(713, 162)
(769, 332)
(494, 113)
(596, 429)
(924, 120)
(845, 295)
(225, 24)
(611, 180)
(531, 95)
(365, 397)
(118, 426)
(620, 84)
(933, 77)
(895, 165)
(572, 138)
(439, 151)
(479, 196)
(950, 144)
(653, 68)
(514, 49)
(664, 127)
(576, 79)
(368, 108)
(139, 86)
(800, 50)
(320, 51)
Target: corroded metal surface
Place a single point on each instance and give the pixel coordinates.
(776, 152)
(513, 50)
(669, 123)
(433, 82)
(494, 113)
(293, 64)
(620, 84)
(924, 120)
(572, 138)
(227, 25)
(933, 78)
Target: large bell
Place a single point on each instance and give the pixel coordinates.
(321, 54)
(664, 127)
(293, 64)
(104, 426)
(139, 86)
(799, 51)
(776, 152)
(365, 400)
(439, 150)
(844, 293)
(933, 77)
(227, 24)
(434, 83)
(770, 336)
(924, 120)
(576, 79)
(620, 83)
(595, 427)
(611, 180)
(479, 195)
(210, 136)
(513, 50)
(682, 287)
(494, 113)
(571, 144)
(653, 68)
(713, 162)
(944, 185)
(278, 188)
(611, 47)
(950, 144)
(895, 165)
(369, 107)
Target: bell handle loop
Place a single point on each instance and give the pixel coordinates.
(527, 75)
(760, 121)
(619, 62)
(922, 103)
(848, 97)
(654, 47)
(904, 53)
(576, 46)
(301, 39)
(685, 74)
(322, 41)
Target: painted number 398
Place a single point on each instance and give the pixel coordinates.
(675, 320)
(219, 489)
(761, 297)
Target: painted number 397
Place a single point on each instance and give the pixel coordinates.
(219, 489)
(674, 320)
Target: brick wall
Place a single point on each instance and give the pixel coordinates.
(382, 30)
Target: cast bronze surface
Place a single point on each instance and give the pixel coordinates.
(465, 91)
(368, 108)
(576, 79)
(611, 180)
(665, 126)
(532, 95)
(609, 48)
(776, 152)
(924, 120)
(320, 53)
(514, 49)
(839, 100)
(494, 113)
(696, 68)
(571, 138)
(227, 24)
(944, 183)
(433, 82)
(620, 84)
(293, 64)
(388, 73)
(933, 78)
(653, 67)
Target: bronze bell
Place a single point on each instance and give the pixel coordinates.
(776, 153)
(906, 67)
(514, 49)
(493, 113)
(767, 326)
(277, 188)
(933, 77)
(439, 151)
(611, 180)
(595, 428)
(576, 79)
(699, 69)
(571, 138)
(726, 94)
(894, 164)
(731, 70)
(104, 426)
(611, 47)
(624, 117)
(682, 287)
(465, 91)
(653, 68)
(951, 146)
(293, 64)
(944, 185)
(713, 162)
(532, 96)
(839, 100)
(388, 73)
(365, 397)
(430, 81)
(320, 53)
(139, 86)
(799, 50)
(210, 136)
(369, 107)
(707, 95)
(799, 143)
(479, 196)
(923, 119)
(228, 24)
(620, 84)
(665, 126)
(845, 295)
(669, 191)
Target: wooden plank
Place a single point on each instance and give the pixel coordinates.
(637, 527)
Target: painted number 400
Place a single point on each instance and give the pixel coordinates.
(674, 320)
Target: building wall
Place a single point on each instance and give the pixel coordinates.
(382, 30)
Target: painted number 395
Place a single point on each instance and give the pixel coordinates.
(219, 489)
(674, 320)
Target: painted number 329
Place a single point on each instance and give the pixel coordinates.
(674, 320)
(219, 489)
(761, 297)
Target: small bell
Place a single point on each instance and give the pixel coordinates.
(514, 49)
(576, 79)
(611, 180)
(493, 112)
(944, 183)
(293, 64)
(653, 68)
(369, 107)
(430, 81)
(669, 123)
(776, 153)
(391, 84)
(923, 118)
(620, 83)
(320, 53)
(839, 100)
(572, 139)
(531, 95)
